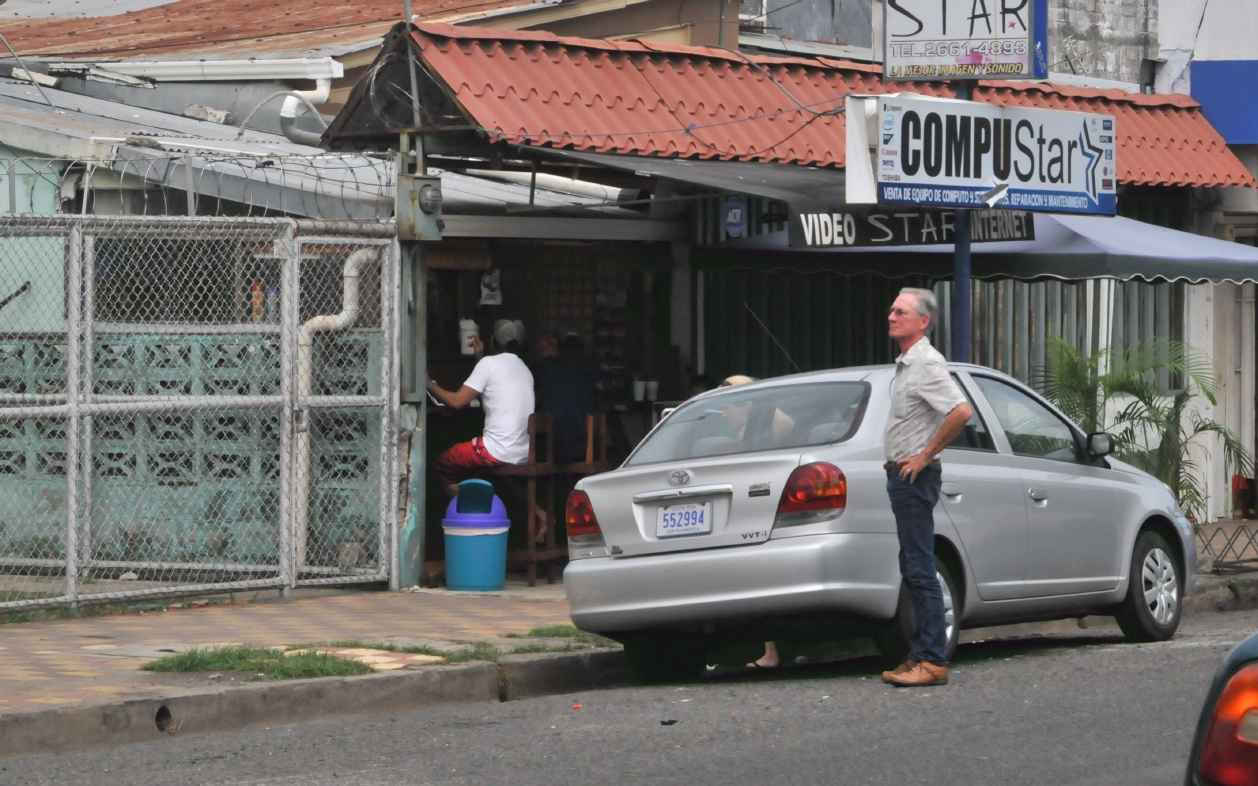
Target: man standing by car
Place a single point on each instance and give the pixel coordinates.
(928, 411)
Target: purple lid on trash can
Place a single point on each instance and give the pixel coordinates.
(496, 517)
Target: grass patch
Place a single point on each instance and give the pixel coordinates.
(272, 664)
(479, 651)
(563, 632)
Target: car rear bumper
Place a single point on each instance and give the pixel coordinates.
(844, 574)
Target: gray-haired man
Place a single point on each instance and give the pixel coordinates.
(928, 411)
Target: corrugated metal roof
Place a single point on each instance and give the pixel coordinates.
(701, 102)
(223, 28)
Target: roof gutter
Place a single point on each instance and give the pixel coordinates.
(223, 70)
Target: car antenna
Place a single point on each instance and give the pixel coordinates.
(769, 333)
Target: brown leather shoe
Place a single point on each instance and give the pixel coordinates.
(905, 667)
(923, 675)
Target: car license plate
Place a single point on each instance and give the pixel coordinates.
(692, 518)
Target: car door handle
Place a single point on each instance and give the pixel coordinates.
(951, 489)
(1039, 495)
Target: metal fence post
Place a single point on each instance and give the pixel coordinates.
(290, 276)
(74, 300)
(88, 422)
(392, 392)
(410, 561)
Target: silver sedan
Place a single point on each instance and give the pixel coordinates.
(763, 508)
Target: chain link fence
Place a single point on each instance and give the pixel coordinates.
(191, 405)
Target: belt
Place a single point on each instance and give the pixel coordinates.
(893, 465)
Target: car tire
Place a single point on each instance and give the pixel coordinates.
(1155, 593)
(893, 638)
(657, 658)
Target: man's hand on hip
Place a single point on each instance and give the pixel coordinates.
(911, 466)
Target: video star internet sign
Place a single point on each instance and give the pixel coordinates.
(954, 153)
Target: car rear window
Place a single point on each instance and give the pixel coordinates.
(762, 418)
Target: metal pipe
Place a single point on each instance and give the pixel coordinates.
(305, 387)
(374, 228)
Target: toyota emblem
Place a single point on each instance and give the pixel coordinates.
(679, 478)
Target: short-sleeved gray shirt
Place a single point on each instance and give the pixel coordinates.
(922, 395)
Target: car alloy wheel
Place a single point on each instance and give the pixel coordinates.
(1160, 585)
(950, 614)
(1150, 611)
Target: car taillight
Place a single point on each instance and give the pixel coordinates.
(582, 524)
(814, 492)
(1229, 755)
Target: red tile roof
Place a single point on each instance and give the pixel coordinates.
(223, 28)
(527, 87)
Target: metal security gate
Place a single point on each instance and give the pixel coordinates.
(192, 405)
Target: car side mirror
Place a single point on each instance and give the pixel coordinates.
(1100, 444)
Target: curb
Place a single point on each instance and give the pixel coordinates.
(64, 729)
(546, 674)
(127, 721)
(1222, 593)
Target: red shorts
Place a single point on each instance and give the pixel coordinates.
(462, 462)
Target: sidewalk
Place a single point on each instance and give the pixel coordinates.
(90, 659)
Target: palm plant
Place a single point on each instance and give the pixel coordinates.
(1157, 429)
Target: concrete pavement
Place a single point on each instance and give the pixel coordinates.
(59, 663)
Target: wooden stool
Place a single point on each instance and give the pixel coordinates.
(531, 472)
(595, 434)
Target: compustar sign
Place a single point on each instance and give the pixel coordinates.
(965, 154)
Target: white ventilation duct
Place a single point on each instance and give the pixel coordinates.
(326, 323)
(288, 112)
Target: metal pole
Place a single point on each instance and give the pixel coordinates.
(410, 62)
(88, 346)
(961, 270)
(290, 251)
(74, 304)
(961, 288)
(388, 429)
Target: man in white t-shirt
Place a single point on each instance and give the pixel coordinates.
(505, 386)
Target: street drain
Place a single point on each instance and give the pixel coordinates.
(163, 719)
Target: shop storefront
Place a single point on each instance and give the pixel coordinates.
(720, 242)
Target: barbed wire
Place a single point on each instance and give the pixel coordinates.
(201, 180)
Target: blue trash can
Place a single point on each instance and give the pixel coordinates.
(476, 526)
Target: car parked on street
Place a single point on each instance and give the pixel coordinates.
(1225, 749)
(766, 503)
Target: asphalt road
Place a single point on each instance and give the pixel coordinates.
(1081, 710)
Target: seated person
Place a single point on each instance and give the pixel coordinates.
(567, 386)
(505, 386)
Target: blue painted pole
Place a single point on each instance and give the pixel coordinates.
(961, 288)
(961, 269)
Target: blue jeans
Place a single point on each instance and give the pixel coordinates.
(914, 505)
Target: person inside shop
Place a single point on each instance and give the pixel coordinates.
(699, 383)
(505, 386)
(568, 385)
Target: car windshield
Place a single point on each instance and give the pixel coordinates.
(763, 418)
